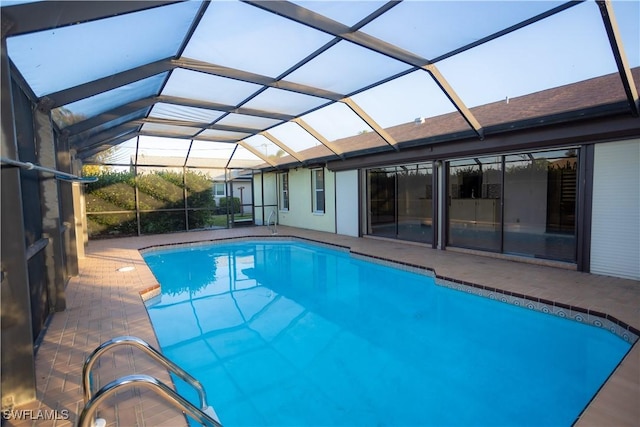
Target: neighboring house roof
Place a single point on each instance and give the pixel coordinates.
(194, 162)
(241, 168)
(518, 112)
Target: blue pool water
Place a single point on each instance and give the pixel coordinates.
(287, 333)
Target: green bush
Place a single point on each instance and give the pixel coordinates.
(201, 219)
(159, 190)
(162, 222)
(199, 191)
(112, 225)
(235, 205)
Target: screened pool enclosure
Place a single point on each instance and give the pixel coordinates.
(509, 127)
(175, 106)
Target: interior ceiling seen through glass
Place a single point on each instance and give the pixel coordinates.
(250, 84)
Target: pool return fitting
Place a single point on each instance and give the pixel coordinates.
(205, 415)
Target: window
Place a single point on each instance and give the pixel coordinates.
(284, 191)
(218, 189)
(317, 190)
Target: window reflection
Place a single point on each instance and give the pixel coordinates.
(401, 202)
(475, 196)
(317, 183)
(534, 215)
(382, 206)
(540, 200)
(284, 191)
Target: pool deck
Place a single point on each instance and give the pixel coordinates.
(103, 303)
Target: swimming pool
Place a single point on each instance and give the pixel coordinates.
(290, 333)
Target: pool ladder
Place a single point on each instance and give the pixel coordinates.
(274, 229)
(205, 415)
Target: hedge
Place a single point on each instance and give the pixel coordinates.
(115, 191)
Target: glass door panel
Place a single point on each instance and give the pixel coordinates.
(415, 203)
(382, 202)
(540, 202)
(475, 203)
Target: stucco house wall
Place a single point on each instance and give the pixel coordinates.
(299, 213)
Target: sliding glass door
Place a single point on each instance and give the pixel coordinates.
(521, 204)
(540, 200)
(475, 194)
(415, 203)
(401, 202)
(382, 202)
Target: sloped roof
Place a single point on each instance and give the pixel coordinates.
(253, 80)
(540, 107)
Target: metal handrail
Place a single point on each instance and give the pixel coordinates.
(273, 230)
(88, 412)
(63, 176)
(150, 351)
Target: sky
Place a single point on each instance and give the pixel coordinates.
(568, 47)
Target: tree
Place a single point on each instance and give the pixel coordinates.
(97, 166)
(278, 154)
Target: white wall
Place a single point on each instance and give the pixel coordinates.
(299, 213)
(347, 203)
(615, 227)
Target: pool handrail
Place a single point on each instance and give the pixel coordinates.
(273, 230)
(140, 380)
(145, 348)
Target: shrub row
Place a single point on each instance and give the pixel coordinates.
(115, 191)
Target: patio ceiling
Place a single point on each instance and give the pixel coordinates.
(269, 83)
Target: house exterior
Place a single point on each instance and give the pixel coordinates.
(554, 180)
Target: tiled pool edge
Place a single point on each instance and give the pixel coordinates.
(226, 240)
(579, 314)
